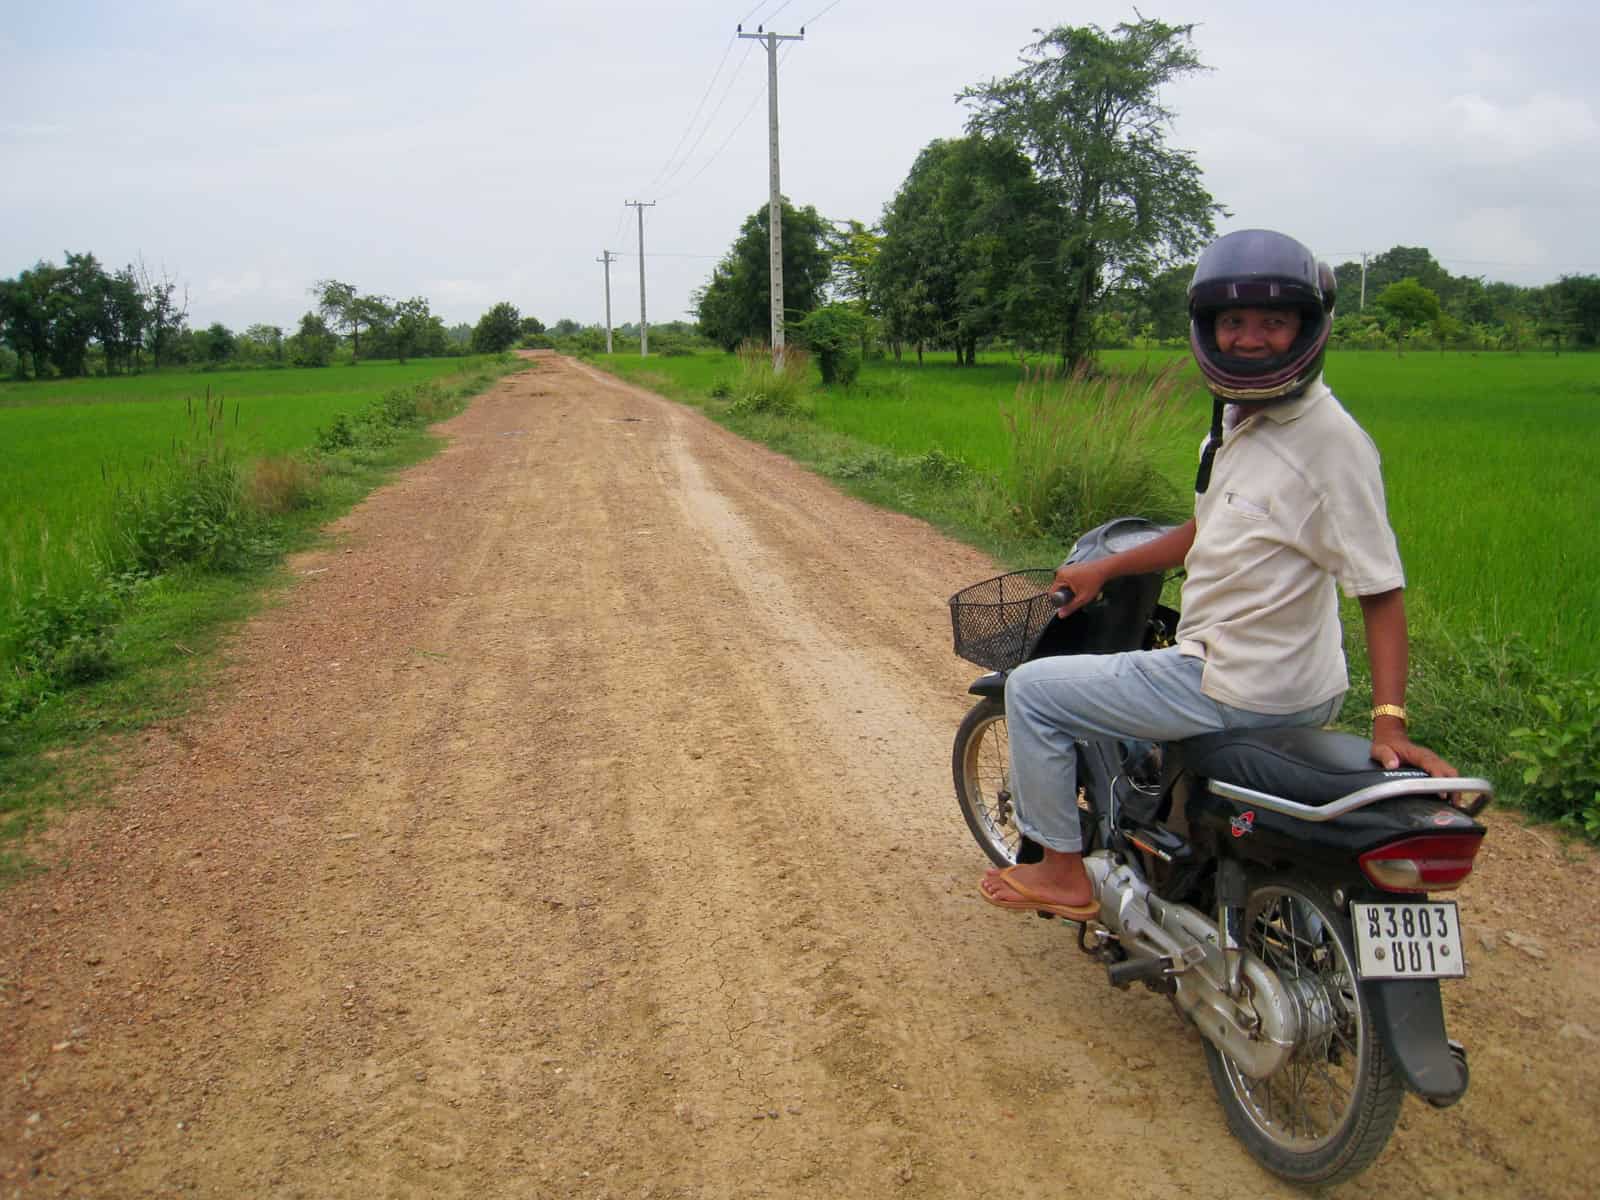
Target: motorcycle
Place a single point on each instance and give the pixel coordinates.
(1279, 885)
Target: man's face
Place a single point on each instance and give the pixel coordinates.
(1256, 332)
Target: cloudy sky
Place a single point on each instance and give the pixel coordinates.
(479, 151)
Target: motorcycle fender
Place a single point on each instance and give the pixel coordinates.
(1410, 1019)
(992, 685)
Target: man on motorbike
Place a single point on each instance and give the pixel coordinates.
(1289, 502)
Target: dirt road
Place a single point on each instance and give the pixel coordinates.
(580, 824)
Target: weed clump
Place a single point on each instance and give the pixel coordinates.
(282, 483)
(762, 387)
(1084, 448)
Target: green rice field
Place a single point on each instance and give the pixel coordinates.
(67, 446)
(1492, 464)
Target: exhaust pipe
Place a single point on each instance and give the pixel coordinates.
(1256, 1023)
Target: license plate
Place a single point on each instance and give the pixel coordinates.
(1408, 940)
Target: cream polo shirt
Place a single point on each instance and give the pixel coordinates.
(1296, 502)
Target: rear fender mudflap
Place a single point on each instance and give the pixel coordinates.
(1410, 1019)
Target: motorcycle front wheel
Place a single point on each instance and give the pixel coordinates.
(1327, 1113)
(982, 769)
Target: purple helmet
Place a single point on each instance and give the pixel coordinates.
(1257, 268)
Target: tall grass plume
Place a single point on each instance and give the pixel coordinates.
(1085, 447)
(763, 387)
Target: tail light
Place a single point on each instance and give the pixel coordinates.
(1422, 864)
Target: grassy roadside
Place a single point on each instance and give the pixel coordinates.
(137, 647)
(1479, 692)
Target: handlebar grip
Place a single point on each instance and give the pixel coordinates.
(1061, 597)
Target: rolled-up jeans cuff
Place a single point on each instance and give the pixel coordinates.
(1063, 844)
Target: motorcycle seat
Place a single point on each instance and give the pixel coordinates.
(1312, 766)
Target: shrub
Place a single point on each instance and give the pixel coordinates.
(763, 388)
(189, 510)
(937, 467)
(282, 483)
(1083, 448)
(66, 639)
(1560, 755)
(834, 332)
(338, 436)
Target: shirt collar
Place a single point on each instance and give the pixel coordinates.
(1296, 408)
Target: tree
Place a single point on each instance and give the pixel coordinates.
(263, 341)
(342, 307)
(1579, 296)
(736, 303)
(967, 242)
(25, 318)
(313, 343)
(75, 303)
(498, 329)
(530, 327)
(166, 312)
(416, 331)
(833, 333)
(124, 322)
(220, 343)
(1407, 305)
(1086, 109)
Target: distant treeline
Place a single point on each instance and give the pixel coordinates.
(1408, 298)
(79, 319)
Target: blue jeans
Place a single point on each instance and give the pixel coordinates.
(1147, 694)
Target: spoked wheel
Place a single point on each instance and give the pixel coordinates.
(1329, 1111)
(982, 767)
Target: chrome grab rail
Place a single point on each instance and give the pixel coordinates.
(1480, 791)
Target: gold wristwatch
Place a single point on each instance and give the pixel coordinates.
(1389, 710)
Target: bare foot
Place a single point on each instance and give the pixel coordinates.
(1059, 879)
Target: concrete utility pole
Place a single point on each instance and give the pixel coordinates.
(644, 326)
(1362, 306)
(775, 199)
(609, 258)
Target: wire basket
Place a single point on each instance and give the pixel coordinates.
(996, 622)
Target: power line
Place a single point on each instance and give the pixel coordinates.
(754, 11)
(711, 120)
(722, 62)
(822, 14)
(660, 254)
(732, 133)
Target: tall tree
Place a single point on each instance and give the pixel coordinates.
(498, 329)
(415, 329)
(263, 341)
(1407, 305)
(736, 303)
(968, 247)
(313, 343)
(124, 321)
(1086, 108)
(25, 317)
(1579, 295)
(166, 310)
(342, 307)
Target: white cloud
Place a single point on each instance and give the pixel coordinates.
(1543, 124)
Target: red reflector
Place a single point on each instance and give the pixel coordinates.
(1422, 864)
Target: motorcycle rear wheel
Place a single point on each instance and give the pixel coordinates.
(982, 768)
(1329, 1111)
